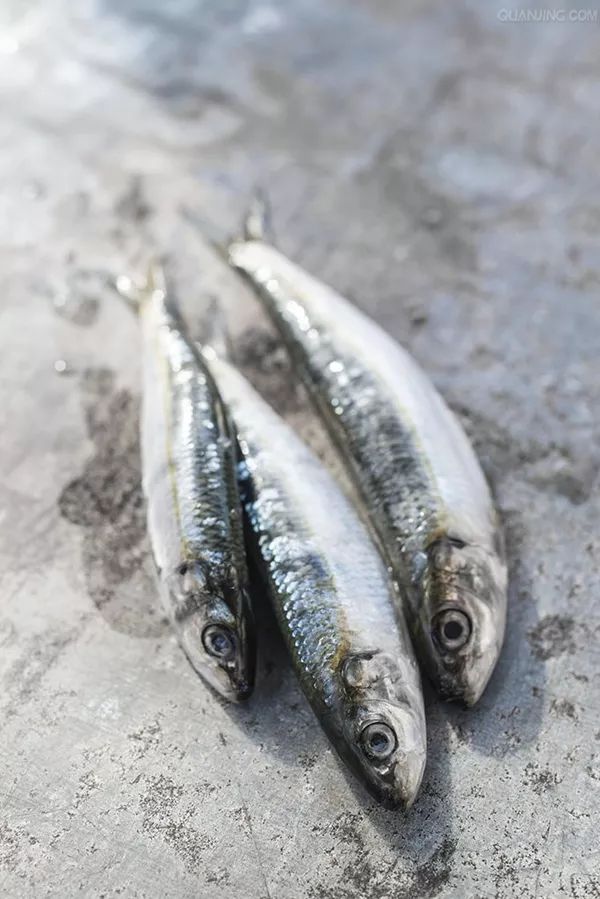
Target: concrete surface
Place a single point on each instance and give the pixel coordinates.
(439, 165)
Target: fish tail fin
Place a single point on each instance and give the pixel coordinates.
(135, 290)
(258, 219)
(155, 277)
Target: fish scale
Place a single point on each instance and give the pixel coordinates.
(192, 499)
(411, 462)
(331, 594)
(302, 582)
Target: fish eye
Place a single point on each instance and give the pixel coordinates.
(219, 642)
(378, 741)
(452, 629)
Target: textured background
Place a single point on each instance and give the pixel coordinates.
(441, 167)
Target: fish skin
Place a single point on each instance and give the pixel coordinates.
(331, 594)
(411, 461)
(193, 505)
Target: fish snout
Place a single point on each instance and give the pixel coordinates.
(391, 742)
(217, 655)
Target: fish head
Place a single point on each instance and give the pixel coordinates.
(213, 621)
(462, 619)
(383, 725)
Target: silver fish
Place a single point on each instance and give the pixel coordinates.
(410, 460)
(193, 505)
(332, 597)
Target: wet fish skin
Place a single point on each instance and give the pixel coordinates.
(411, 461)
(193, 505)
(331, 594)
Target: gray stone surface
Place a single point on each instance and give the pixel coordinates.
(441, 167)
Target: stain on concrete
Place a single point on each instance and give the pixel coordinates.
(358, 874)
(264, 357)
(88, 785)
(566, 476)
(78, 299)
(81, 311)
(107, 503)
(593, 771)
(166, 816)
(22, 680)
(10, 848)
(563, 708)
(146, 738)
(553, 636)
(365, 879)
(262, 350)
(307, 760)
(584, 886)
(540, 779)
(133, 205)
(219, 877)
(161, 796)
(431, 877)
(500, 451)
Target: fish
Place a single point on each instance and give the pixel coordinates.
(332, 597)
(409, 458)
(194, 513)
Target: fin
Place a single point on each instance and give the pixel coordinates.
(156, 281)
(257, 224)
(134, 291)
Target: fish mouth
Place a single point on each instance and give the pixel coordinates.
(400, 788)
(466, 687)
(228, 684)
(234, 691)
(231, 679)
(475, 688)
(412, 777)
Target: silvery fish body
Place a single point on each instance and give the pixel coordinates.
(193, 505)
(412, 463)
(332, 597)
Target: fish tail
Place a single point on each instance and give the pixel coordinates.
(135, 291)
(155, 277)
(257, 222)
